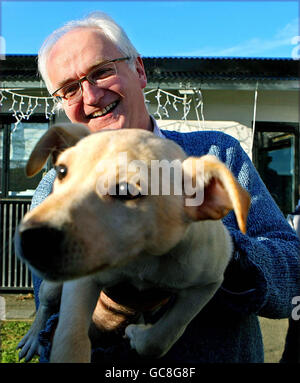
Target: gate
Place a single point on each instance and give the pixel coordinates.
(15, 275)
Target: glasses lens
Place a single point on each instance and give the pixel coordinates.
(70, 90)
(73, 92)
(103, 72)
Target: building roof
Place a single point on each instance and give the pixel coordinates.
(24, 68)
(213, 68)
(19, 68)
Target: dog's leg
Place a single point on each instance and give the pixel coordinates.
(157, 339)
(49, 296)
(71, 342)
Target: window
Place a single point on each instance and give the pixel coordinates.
(16, 145)
(1, 158)
(276, 157)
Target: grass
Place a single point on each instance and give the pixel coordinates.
(11, 332)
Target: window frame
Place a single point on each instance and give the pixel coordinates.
(283, 127)
(5, 124)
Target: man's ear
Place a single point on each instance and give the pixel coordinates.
(219, 189)
(139, 66)
(58, 138)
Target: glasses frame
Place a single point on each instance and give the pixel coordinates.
(60, 98)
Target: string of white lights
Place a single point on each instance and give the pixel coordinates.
(164, 104)
(23, 106)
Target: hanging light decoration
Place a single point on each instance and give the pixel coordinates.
(23, 106)
(164, 104)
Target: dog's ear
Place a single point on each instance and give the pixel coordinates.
(58, 138)
(216, 189)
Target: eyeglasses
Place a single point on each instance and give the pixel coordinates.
(72, 92)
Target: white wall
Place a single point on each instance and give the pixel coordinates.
(232, 111)
(234, 128)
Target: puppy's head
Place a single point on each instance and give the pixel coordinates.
(119, 194)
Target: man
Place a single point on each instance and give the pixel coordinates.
(263, 275)
(69, 61)
(292, 343)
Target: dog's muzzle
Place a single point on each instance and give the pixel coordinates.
(41, 248)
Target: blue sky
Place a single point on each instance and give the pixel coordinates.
(165, 28)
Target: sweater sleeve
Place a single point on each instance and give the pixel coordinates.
(42, 191)
(264, 274)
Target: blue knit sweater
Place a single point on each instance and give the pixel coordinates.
(262, 278)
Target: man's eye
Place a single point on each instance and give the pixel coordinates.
(69, 91)
(102, 73)
(61, 171)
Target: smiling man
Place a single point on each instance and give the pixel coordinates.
(98, 77)
(118, 101)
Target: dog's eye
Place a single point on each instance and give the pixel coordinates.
(61, 171)
(126, 191)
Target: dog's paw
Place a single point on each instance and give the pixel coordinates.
(29, 346)
(144, 341)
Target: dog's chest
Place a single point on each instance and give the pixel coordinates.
(164, 272)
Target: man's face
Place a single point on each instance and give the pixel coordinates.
(73, 56)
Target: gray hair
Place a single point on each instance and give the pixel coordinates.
(99, 20)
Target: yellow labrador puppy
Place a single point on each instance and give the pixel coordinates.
(127, 207)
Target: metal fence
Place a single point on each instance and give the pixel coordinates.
(15, 275)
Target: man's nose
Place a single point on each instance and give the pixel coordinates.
(91, 94)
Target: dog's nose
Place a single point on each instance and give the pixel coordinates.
(40, 246)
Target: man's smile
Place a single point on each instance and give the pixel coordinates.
(104, 111)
